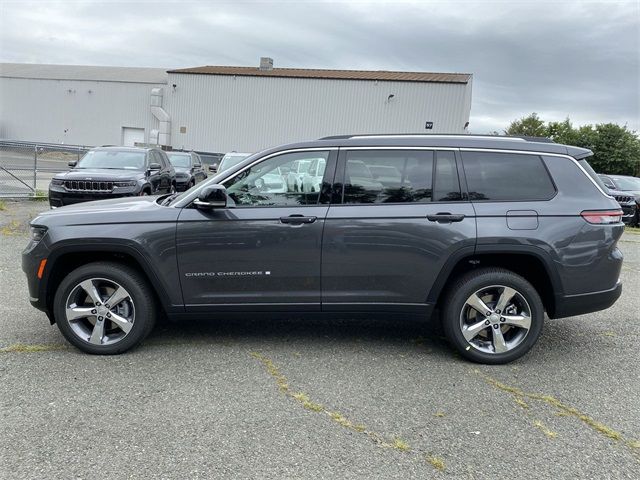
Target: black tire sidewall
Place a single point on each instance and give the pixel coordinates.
(140, 294)
(470, 283)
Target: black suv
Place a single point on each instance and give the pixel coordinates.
(493, 231)
(188, 167)
(110, 172)
(626, 190)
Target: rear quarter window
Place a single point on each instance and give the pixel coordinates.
(507, 177)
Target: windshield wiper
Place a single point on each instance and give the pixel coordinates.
(167, 201)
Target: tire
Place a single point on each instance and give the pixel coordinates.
(496, 338)
(100, 328)
(636, 218)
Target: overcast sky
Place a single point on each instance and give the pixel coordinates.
(569, 58)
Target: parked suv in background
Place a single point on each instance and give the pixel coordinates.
(110, 172)
(493, 231)
(626, 190)
(188, 167)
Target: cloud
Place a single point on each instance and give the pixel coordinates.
(576, 59)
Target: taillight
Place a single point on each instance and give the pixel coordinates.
(602, 217)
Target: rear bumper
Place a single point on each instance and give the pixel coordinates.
(570, 305)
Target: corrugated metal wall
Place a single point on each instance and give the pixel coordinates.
(91, 112)
(225, 113)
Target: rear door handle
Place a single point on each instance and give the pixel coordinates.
(445, 217)
(297, 219)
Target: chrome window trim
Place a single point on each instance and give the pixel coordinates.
(194, 195)
(275, 154)
(540, 154)
(187, 201)
(429, 135)
(400, 148)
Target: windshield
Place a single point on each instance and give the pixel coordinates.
(180, 159)
(231, 160)
(626, 183)
(113, 159)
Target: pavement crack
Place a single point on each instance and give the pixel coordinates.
(305, 401)
(563, 409)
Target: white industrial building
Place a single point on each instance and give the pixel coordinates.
(220, 109)
(80, 105)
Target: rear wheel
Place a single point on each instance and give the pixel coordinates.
(104, 308)
(492, 316)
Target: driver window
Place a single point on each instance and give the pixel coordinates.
(278, 181)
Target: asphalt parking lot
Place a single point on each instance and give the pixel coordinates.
(295, 398)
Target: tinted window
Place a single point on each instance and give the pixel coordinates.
(159, 157)
(274, 182)
(506, 176)
(447, 185)
(388, 176)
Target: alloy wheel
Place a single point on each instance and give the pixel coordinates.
(495, 319)
(100, 311)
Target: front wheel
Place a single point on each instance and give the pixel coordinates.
(492, 316)
(104, 308)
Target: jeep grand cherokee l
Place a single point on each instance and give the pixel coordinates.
(494, 231)
(110, 172)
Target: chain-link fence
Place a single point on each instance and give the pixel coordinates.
(26, 168)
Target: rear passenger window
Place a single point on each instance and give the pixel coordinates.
(388, 176)
(506, 176)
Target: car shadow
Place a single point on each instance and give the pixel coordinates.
(373, 330)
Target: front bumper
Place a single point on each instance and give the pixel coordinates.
(32, 255)
(570, 305)
(182, 184)
(59, 198)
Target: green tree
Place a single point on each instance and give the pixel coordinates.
(530, 126)
(616, 149)
(562, 132)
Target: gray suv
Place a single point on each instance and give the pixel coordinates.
(494, 231)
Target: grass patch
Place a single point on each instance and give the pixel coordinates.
(14, 227)
(435, 462)
(400, 444)
(540, 426)
(40, 196)
(3, 206)
(31, 348)
(439, 414)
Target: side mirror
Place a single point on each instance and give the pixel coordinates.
(212, 196)
(72, 163)
(154, 167)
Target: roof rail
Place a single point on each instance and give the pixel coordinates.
(521, 138)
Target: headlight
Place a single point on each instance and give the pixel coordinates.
(37, 233)
(131, 183)
(57, 181)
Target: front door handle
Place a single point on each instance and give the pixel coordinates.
(445, 217)
(297, 219)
